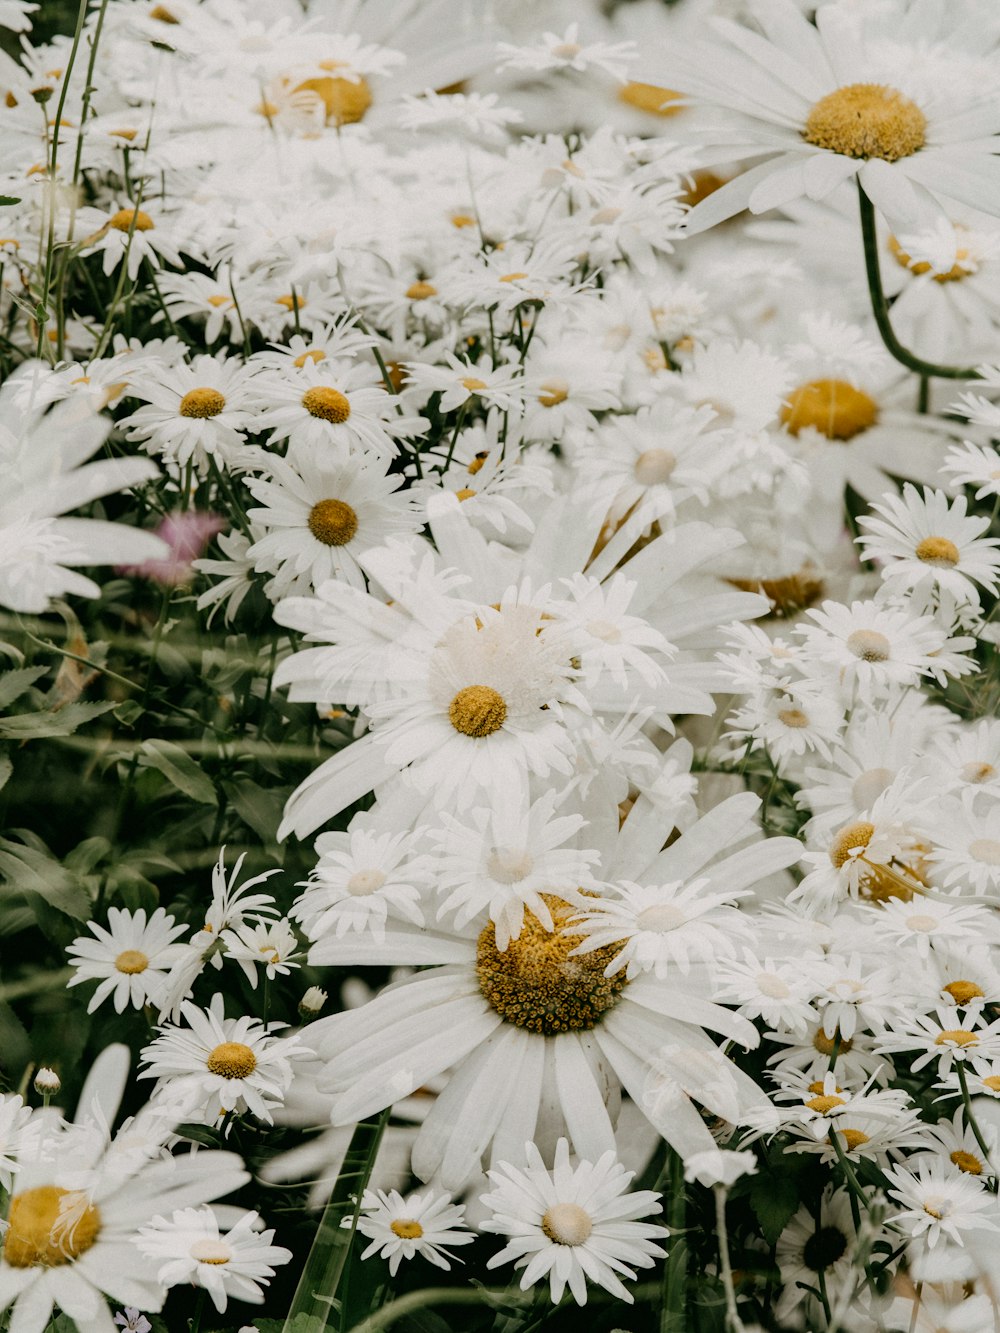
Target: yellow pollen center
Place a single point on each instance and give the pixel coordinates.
(327, 403)
(869, 645)
(465, 493)
(363, 883)
(853, 1138)
(865, 120)
(232, 1059)
(960, 269)
(49, 1226)
(825, 1045)
(131, 961)
(460, 220)
(649, 97)
(567, 1224)
(554, 392)
(788, 595)
(978, 771)
(833, 407)
(406, 1228)
(162, 14)
(472, 384)
(333, 522)
(315, 355)
(965, 1161)
(477, 710)
(345, 101)
(823, 1104)
(512, 277)
(963, 991)
(124, 134)
(477, 463)
(793, 717)
(938, 551)
(992, 1081)
(211, 1251)
(219, 300)
(290, 302)
(654, 467)
(536, 984)
(420, 291)
(956, 1037)
(201, 403)
(854, 836)
(122, 220)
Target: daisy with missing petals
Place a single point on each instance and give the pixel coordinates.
(195, 411)
(926, 541)
(573, 1223)
(130, 958)
(419, 1224)
(363, 876)
(939, 1200)
(320, 513)
(272, 945)
(189, 1247)
(218, 1064)
(837, 101)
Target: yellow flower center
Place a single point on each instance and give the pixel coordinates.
(420, 291)
(49, 1226)
(793, 717)
(833, 407)
(472, 384)
(315, 355)
(992, 1081)
(219, 300)
(854, 836)
(553, 392)
(512, 277)
(853, 1138)
(477, 710)
(406, 1228)
(963, 991)
(653, 467)
(232, 1059)
(977, 770)
(938, 551)
(363, 883)
(965, 1161)
(956, 1037)
(327, 403)
(131, 961)
(201, 403)
(465, 493)
(122, 220)
(823, 1104)
(477, 463)
(650, 97)
(825, 1045)
(567, 1224)
(867, 120)
(162, 14)
(960, 269)
(536, 984)
(211, 1251)
(123, 134)
(290, 302)
(789, 594)
(345, 101)
(461, 220)
(333, 522)
(869, 645)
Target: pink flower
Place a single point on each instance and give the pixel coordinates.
(188, 535)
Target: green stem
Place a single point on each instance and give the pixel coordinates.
(673, 1310)
(970, 1115)
(733, 1322)
(880, 306)
(419, 1300)
(316, 1292)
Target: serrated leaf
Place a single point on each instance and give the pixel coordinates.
(179, 769)
(14, 683)
(40, 879)
(35, 726)
(774, 1200)
(85, 855)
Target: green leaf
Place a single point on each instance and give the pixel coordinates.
(208, 1138)
(179, 769)
(14, 683)
(774, 1199)
(6, 768)
(8, 200)
(257, 806)
(42, 881)
(33, 726)
(87, 854)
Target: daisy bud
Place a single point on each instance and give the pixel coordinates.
(312, 1002)
(47, 1082)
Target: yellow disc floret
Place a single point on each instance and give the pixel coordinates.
(327, 403)
(833, 407)
(123, 220)
(649, 97)
(49, 1226)
(333, 522)
(231, 1059)
(477, 710)
(866, 120)
(345, 101)
(201, 403)
(536, 984)
(406, 1228)
(939, 551)
(131, 961)
(567, 1224)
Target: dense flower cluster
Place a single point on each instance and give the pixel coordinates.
(546, 457)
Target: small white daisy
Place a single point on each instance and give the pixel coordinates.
(403, 1227)
(938, 1200)
(130, 958)
(362, 877)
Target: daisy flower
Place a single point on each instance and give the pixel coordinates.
(969, 464)
(15, 1127)
(459, 382)
(363, 876)
(130, 958)
(573, 1223)
(813, 1244)
(325, 404)
(929, 541)
(418, 1224)
(966, 844)
(939, 1200)
(127, 232)
(189, 1247)
(565, 52)
(477, 114)
(780, 992)
(195, 412)
(216, 1064)
(950, 1036)
(828, 103)
(319, 514)
(272, 945)
(928, 923)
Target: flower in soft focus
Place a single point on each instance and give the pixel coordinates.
(187, 534)
(720, 1167)
(418, 1224)
(573, 1223)
(131, 1321)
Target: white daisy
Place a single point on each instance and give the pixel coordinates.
(939, 1200)
(418, 1224)
(130, 958)
(271, 945)
(190, 1247)
(572, 1224)
(136, 232)
(325, 403)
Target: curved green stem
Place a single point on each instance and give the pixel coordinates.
(880, 306)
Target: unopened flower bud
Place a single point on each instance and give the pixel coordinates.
(47, 1082)
(312, 1002)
